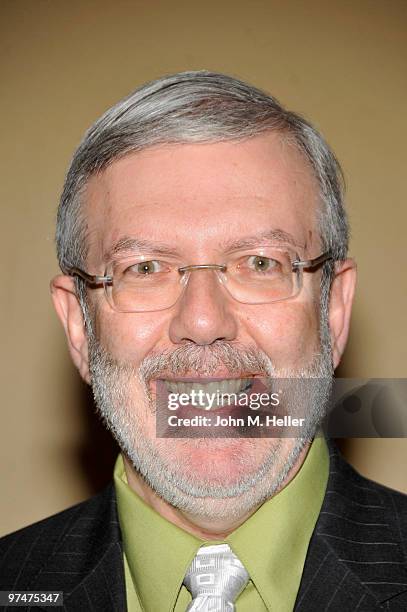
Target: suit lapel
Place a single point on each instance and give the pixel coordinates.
(102, 588)
(327, 584)
(87, 564)
(354, 560)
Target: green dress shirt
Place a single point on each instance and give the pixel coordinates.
(272, 544)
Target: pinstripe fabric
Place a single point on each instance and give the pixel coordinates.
(77, 551)
(356, 559)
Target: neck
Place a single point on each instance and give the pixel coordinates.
(201, 527)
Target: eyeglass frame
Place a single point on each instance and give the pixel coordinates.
(95, 280)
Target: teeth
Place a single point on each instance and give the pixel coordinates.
(212, 388)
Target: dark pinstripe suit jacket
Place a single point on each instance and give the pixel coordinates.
(356, 558)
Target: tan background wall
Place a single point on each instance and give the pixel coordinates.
(341, 63)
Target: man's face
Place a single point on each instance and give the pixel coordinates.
(197, 200)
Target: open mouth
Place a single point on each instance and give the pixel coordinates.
(216, 407)
(209, 393)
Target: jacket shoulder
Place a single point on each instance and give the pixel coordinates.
(363, 499)
(23, 553)
(348, 475)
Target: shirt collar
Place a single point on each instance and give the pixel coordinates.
(153, 546)
(281, 530)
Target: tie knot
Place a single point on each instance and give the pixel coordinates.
(215, 578)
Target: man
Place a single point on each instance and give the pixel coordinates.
(201, 235)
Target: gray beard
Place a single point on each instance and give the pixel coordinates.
(208, 498)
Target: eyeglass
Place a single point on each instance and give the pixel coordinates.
(143, 283)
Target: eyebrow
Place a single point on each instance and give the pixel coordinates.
(131, 244)
(278, 236)
(128, 245)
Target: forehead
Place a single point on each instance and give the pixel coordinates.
(200, 197)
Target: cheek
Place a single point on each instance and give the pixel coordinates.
(129, 337)
(288, 333)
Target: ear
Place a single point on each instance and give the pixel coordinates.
(70, 314)
(340, 306)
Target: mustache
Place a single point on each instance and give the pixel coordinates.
(205, 361)
(190, 359)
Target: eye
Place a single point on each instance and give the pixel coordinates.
(259, 263)
(145, 268)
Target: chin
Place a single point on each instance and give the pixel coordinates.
(220, 462)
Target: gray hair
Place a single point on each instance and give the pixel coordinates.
(196, 107)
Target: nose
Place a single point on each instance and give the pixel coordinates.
(203, 313)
